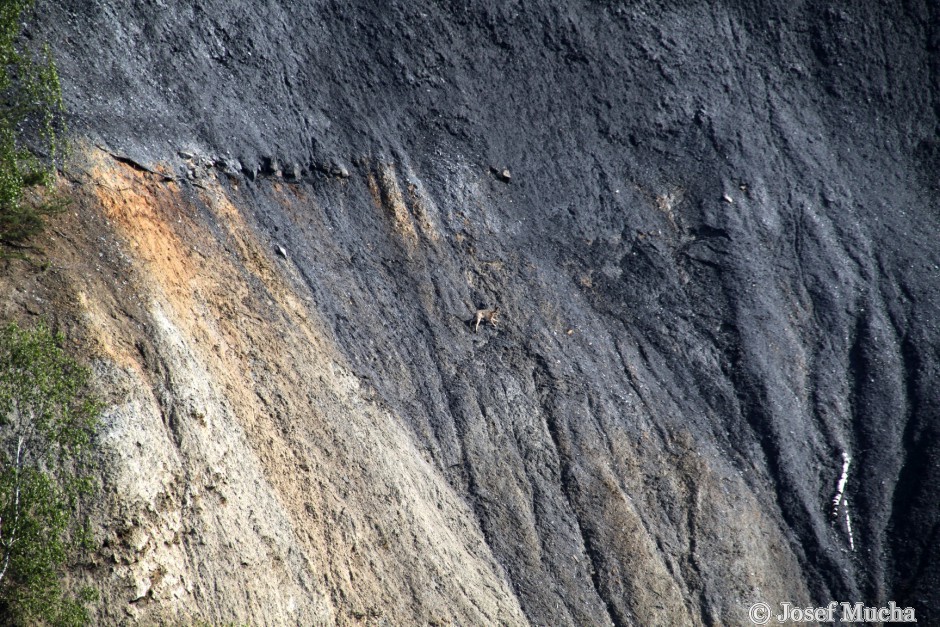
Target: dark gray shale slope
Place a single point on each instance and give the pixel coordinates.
(717, 263)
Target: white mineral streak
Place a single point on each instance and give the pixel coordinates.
(840, 488)
(848, 525)
(841, 499)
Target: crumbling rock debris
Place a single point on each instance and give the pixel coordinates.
(669, 463)
(501, 174)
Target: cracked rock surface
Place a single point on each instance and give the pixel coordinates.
(711, 232)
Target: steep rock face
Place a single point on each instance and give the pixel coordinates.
(248, 474)
(716, 266)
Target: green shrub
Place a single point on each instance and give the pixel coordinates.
(47, 419)
(31, 121)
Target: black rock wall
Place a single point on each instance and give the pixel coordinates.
(716, 262)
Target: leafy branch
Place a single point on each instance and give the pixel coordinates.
(47, 420)
(31, 125)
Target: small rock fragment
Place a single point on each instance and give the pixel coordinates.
(141, 589)
(502, 174)
(270, 166)
(727, 199)
(282, 252)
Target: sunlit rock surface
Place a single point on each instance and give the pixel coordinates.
(711, 232)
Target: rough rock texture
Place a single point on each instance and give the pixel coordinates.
(715, 258)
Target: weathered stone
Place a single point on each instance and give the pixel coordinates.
(672, 461)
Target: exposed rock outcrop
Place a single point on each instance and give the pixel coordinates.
(716, 268)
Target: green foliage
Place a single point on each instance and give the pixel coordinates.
(47, 419)
(31, 114)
